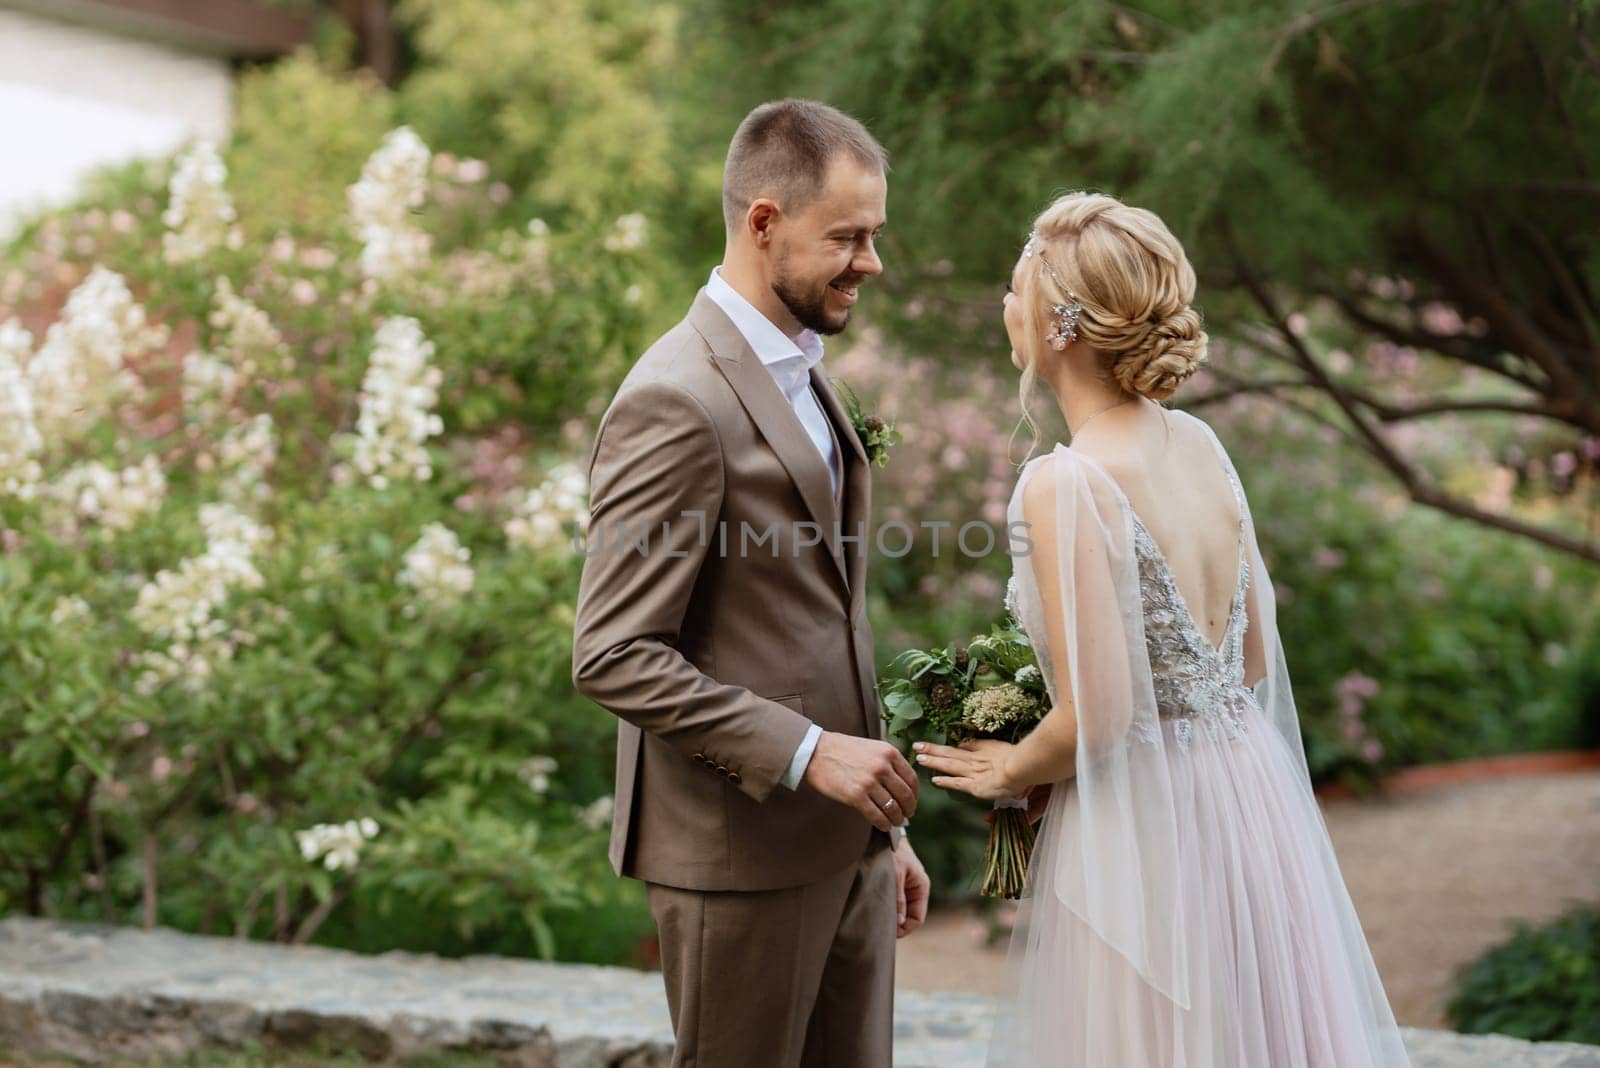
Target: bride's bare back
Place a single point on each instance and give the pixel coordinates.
(1172, 478)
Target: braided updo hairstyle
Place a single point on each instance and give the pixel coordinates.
(1135, 284)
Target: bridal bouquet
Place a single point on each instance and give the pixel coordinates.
(989, 688)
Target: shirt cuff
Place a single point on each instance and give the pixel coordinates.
(802, 757)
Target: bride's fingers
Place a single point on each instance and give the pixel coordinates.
(943, 763)
(954, 782)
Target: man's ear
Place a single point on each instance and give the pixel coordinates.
(759, 221)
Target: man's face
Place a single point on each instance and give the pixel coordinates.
(822, 253)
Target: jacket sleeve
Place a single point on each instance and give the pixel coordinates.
(657, 468)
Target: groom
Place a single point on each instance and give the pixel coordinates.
(721, 616)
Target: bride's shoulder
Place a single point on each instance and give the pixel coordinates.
(1086, 478)
(1194, 422)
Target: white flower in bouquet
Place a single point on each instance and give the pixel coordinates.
(1028, 673)
(199, 215)
(536, 772)
(209, 386)
(393, 184)
(438, 566)
(992, 709)
(557, 505)
(79, 372)
(628, 234)
(398, 395)
(91, 493)
(20, 440)
(338, 845)
(245, 336)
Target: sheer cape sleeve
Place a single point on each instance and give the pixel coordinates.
(1183, 903)
(1263, 648)
(1109, 849)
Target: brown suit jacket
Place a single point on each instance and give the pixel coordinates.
(718, 645)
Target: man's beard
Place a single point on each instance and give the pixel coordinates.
(810, 312)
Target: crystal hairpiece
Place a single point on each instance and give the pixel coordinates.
(1063, 317)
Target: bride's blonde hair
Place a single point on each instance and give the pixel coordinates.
(1135, 285)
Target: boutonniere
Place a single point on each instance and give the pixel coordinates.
(876, 434)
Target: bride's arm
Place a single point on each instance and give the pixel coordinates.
(1050, 752)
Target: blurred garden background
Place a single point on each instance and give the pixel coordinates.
(294, 418)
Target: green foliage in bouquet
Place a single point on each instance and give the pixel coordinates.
(989, 688)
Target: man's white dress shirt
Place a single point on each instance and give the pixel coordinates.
(790, 362)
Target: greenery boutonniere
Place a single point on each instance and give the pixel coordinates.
(876, 434)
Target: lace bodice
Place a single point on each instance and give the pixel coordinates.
(1198, 686)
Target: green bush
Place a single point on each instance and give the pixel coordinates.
(285, 636)
(1542, 985)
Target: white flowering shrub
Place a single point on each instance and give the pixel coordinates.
(398, 397)
(438, 567)
(393, 185)
(285, 512)
(199, 215)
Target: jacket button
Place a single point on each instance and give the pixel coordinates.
(701, 757)
(722, 770)
(734, 778)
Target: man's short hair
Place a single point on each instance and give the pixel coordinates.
(782, 150)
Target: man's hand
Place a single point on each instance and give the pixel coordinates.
(868, 776)
(911, 889)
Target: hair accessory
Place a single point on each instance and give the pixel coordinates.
(1063, 317)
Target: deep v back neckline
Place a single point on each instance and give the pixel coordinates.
(1161, 557)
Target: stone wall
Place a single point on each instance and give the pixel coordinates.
(96, 992)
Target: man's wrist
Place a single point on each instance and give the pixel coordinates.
(796, 772)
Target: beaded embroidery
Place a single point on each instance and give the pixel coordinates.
(1199, 688)
(1197, 685)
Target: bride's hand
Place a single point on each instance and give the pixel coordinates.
(977, 767)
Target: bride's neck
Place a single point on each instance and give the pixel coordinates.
(1081, 398)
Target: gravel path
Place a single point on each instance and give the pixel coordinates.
(1437, 877)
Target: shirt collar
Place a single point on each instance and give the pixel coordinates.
(770, 344)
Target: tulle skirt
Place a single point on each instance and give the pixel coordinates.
(1280, 975)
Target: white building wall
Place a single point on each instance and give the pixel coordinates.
(73, 97)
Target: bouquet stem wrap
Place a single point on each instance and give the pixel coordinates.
(1011, 837)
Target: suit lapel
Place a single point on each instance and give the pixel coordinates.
(776, 421)
(857, 483)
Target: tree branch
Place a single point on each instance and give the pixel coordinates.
(1520, 335)
(1486, 357)
(1418, 485)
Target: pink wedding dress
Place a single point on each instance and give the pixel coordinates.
(1184, 908)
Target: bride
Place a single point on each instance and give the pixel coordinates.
(1184, 908)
